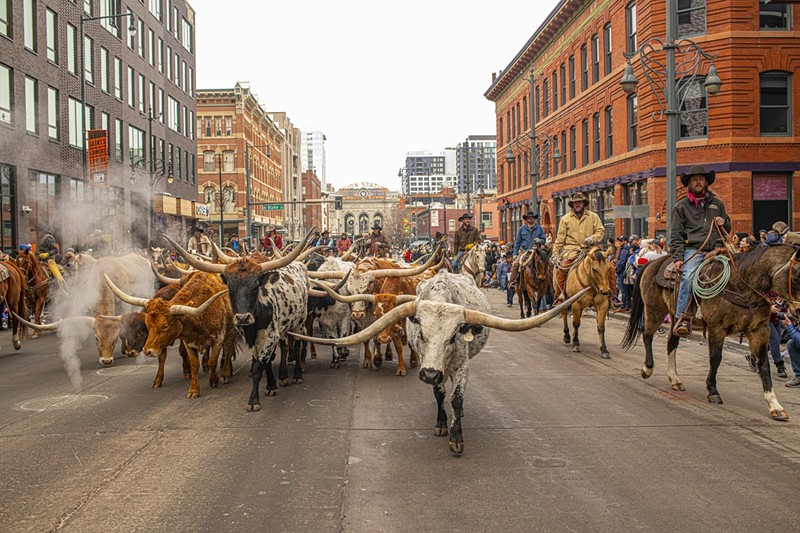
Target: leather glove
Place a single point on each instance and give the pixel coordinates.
(44, 255)
(588, 241)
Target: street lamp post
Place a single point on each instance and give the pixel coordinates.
(131, 31)
(662, 80)
(481, 196)
(220, 202)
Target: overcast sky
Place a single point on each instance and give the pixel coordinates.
(378, 78)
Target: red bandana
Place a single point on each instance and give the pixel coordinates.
(696, 199)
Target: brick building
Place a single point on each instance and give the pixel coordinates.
(614, 151)
(227, 118)
(139, 89)
(311, 214)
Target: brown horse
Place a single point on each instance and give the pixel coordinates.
(14, 295)
(534, 280)
(742, 308)
(38, 283)
(592, 271)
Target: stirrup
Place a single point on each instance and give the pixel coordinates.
(683, 328)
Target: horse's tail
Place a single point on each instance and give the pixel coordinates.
(637, 311)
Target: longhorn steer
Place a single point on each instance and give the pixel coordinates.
(333, 316)
(447, 325)
(202, 329)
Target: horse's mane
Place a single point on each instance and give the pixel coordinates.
(748, 260)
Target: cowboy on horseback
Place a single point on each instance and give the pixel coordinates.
(376, 240)
(580, 228)
(529, 235)
(464, 239)
(693, 234)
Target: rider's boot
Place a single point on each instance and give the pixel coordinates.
(684, 324)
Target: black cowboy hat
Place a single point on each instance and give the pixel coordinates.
(622, 238)
(464, 217)
(377, 226)
(577, 197)
(199, 228)
(698, 170)
(530, 214)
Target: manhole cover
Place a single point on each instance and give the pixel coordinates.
(125, 370)
(68, 401)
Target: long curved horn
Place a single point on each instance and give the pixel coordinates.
(307, 253)
(222, 257)
(316, 294)
(404, 272)
(344, 299)
(55, 325)
(395, 315)
(275, 250)
(346, 256)
(477, 317)
(127, 298)
(328, 274)
(183, 271)
(275, 264)
(161, 277)
(193, 261)
(344, 280)
(405, 298)
(178, 309)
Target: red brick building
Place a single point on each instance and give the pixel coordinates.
(312, 212)
(613, 150)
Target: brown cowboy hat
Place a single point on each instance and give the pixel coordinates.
(698, 170)
(781, 227)
(577, 197)
(529, 214)
(465, 216)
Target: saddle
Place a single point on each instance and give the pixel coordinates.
(4, 273)
(667, 275)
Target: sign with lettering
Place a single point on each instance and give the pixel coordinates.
(201, 210)
(98, 155)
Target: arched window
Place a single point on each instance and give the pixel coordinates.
(349, 223)
(363, 223)
(228, 199)
(210, 196)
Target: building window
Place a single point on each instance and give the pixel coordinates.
(135, 145)
(191, 126)
(609, 134)
(607, 48)
(131, 88)
(773, 16)
(179, 171)
(88, 59)
(524, 113)
(691, 17)
(572, 76)
(5, 18)
(228, 126)
(174, 115)
(584, 68)
(52, 114)
(108, 9)
(161, 116)
(186, 35)
(190, 80)
(208, 161)
(29, 23)
(555, 91)
(694, 108)
(563, 84)
(118, 139)
(155, 9)
(103, 69)
(775, 107)
(71, 49)
(573, 151)
(585, 133)
(546, 96)
(141, 94)
(31, 105)
(518, 120)
(207, 125)
(563, 151)
(227, 161)
(160, 55)
(169, 63)
(75, 124)
(633, 121)
(104, 122)
(596, 136)
(151, 47)
(536, 106)
(630, 26)
(193, 167)
(595, 58)
(51, 20)
(42, 197)
(117, 78)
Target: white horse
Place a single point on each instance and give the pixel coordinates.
(473, 263)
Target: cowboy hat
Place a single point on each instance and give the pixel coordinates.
(698, 170)
(530, 214)
(377, 226)
(464, 216)
(577, 197)
(781, 227)
(792, 238)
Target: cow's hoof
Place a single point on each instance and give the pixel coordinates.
(156, 385)
(35, 334)
(192, 395)
(677, 385)
(440, 431)
(272, 392)
(456, 448)
(335, 365)
(714, 398)
(388, 356)
(367, 364)
(252, 407)
(576, 348)
(313, 356)
(377, 362)
(646, 372)
(298, 381)
(400, 372)
(605, 355)
(414, 363)
(779, 415)
(187, 375)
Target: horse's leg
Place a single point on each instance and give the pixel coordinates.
(520, 292)
(601, 304)
(567, 338)
(716, 338)
(672, 360)
(759, 344)
(576, 324)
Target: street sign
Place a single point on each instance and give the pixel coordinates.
(273, 207)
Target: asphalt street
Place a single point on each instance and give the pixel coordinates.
(554, 441)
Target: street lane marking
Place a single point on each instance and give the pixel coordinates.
(67, 401)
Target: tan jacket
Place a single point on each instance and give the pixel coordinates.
(462, 238)
(572, 231)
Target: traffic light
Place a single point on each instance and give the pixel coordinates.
(337, 203)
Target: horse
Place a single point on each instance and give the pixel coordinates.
(534, 280)
(14, 295)
(591, 270)
(473, 263)
(38, 283)
(742, 307)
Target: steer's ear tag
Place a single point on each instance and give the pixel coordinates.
(468, 336)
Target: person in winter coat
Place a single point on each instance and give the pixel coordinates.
(619, 270)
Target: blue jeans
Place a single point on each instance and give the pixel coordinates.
(457, 261)
(689, 268)
(622, 290)
(794, 356)
(775, 342)
(510, 295)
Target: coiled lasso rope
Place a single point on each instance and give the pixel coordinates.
(712, 287)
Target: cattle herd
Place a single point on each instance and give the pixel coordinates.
(254, 305)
